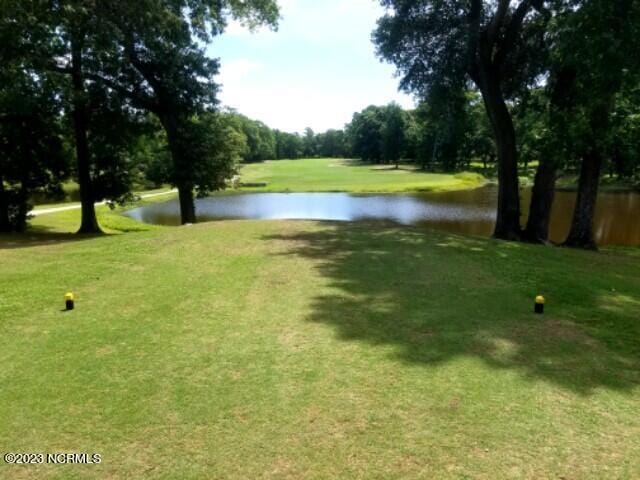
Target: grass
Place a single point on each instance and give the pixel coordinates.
(249, 349)
(324, 175)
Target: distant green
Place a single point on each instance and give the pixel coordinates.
(331, 175)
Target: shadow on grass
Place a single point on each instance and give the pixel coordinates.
(437, 297)
(37, 236)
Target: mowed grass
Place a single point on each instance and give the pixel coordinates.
(339, 175)
(248, 349)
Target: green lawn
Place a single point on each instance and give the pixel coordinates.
(251, 349)
(326, 174)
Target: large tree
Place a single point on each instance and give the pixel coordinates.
(163, 67)
(77, 38)
(594, 51)
(69, 39)
(495, 44)
(604, 59)
(365, 133)
(32, 156)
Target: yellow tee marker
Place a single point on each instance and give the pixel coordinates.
(69, 300)
(539, 308)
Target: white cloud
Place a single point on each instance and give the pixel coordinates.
(315, 71)
(294, 108)
(236, 70)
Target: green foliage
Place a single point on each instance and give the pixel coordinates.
(213, 149)
(590, 98)
(447, 129)
(441, 44)
(447, 132)
(151, 158)
(288, 145)
(365, 133)
(310, 143)
(260, 140)
(113, 135)
(603, 63)
(32, 154)
(333, 143)
(394, 134)
(625, 131)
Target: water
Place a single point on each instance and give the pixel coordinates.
(467, 212)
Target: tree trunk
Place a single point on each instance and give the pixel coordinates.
(581, 233)
(508, 216)
(89, 223)
(185, 187)
(4, 209)
(562, 101)
(187, 204)
(542, 196)
(23, 209)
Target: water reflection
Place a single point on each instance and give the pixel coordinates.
(467, 212)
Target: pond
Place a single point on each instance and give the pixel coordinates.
(466, 212)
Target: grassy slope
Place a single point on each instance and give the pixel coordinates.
(244, 349)
(322, 175)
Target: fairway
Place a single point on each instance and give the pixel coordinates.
(238, 245)
(340, 175)
(248, 349)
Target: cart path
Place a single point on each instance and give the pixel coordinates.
(76, 206)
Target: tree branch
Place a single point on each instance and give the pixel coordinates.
(498, 19)
(473, 19)
(139, 99)
(58, 69)
(513, 29)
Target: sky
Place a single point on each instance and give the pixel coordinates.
(316, 71)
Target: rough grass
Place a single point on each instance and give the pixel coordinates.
(246, 349)
(338, 175)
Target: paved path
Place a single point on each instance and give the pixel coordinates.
(76, 206)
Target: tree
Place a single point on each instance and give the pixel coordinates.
(600, 78)
(288, 145)
(309, 142)
(445, 126)
(625, 131)
(112, 135)
(71, 40)
(394, 134)
(365, 134)
(332, 143)
(481, 142)
(594, 50)
(32, 156)
(161, 68)
(260, 139)
(443, 43)
(547, 129)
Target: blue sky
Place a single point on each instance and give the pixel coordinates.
(315, 71)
